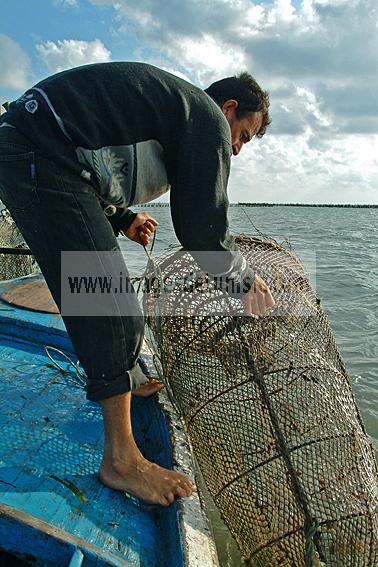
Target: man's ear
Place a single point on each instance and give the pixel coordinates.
(229, 106)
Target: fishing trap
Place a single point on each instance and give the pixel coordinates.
(15, 258)
(269, 409)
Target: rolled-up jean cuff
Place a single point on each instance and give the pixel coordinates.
(101, 389)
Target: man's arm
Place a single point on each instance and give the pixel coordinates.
(121, 219)
(199, 201)
(136, 226)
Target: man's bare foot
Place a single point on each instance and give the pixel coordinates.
(145, 480)
(123, 466)
(148, 389)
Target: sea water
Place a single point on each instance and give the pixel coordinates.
(339, 247)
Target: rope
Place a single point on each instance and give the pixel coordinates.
(150, 258)
(312, 559)
(158, 316)
(80, 376)
(22, 251)
(258, 377)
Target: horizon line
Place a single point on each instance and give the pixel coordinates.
(274, 204)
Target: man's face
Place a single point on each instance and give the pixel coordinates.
(243, 130)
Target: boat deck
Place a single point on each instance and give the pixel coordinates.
(52, 506)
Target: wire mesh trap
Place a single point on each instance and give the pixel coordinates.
(13, 264)
(270, 412)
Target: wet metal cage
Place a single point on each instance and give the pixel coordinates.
(270, 411)
(15, 259)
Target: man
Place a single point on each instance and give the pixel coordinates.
(80, 147)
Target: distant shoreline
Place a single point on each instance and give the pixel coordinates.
(329, 205)
(308, 205)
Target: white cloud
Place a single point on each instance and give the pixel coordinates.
(69, 53)
(14, 64)
(320, 45)
(318, 59)
(206, 59)
(295, 169)
(312, 105)
(66, 3)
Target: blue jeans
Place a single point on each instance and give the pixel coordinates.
(55, 211)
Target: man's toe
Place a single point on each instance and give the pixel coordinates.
(181, 491)
(164, 501)
(170, 497)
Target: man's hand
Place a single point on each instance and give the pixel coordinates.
(258, 299)
(141, 228)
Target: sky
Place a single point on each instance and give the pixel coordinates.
(317, 58)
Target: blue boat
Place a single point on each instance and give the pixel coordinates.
(53, 509)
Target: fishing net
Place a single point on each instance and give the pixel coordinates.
(13, 265)
(270, 412)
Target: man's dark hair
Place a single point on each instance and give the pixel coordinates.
(250, 96)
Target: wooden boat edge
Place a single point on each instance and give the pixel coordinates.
(41, 532)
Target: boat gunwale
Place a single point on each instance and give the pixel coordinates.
(43, 528)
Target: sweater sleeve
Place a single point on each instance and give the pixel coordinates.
(120, 219)
(199, 203)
